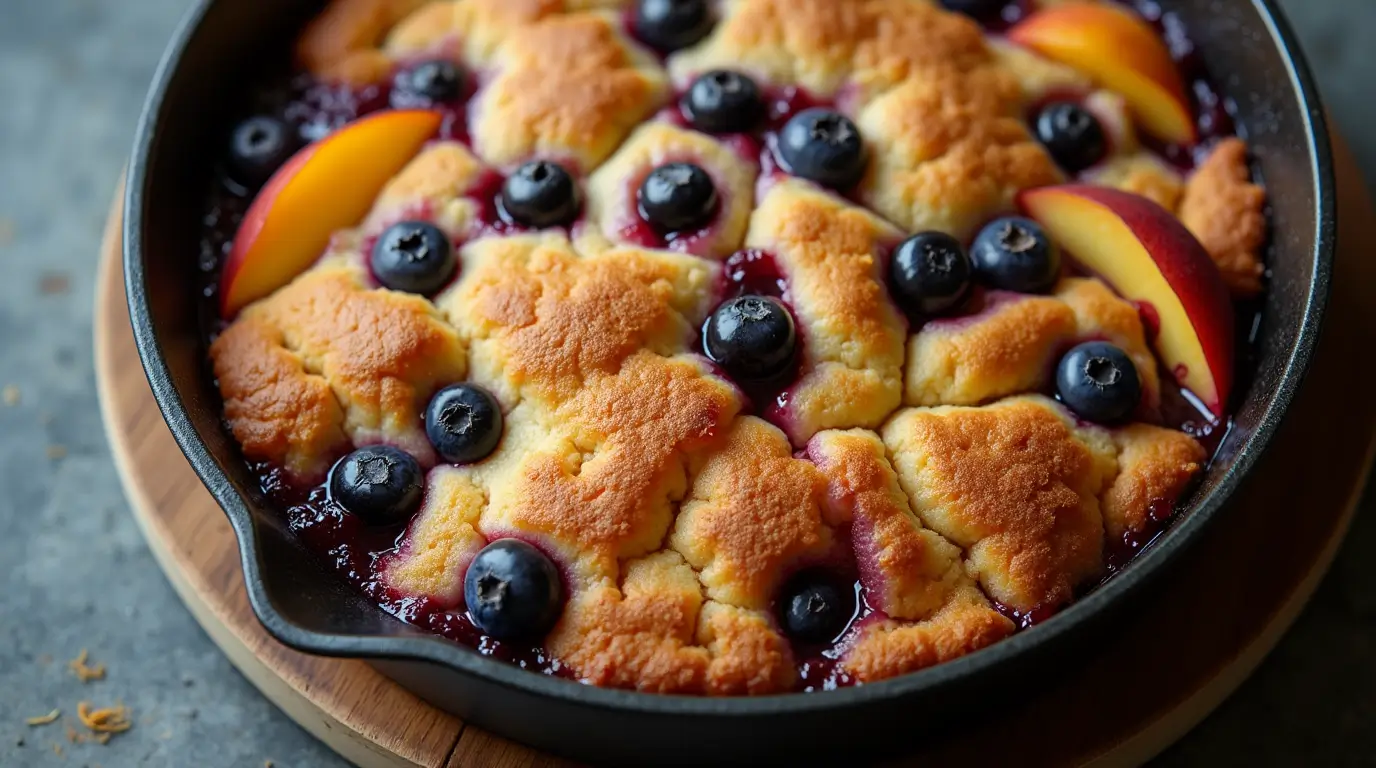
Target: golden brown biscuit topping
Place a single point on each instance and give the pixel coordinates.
(920, 458)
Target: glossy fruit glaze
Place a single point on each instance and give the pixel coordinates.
(355, 550)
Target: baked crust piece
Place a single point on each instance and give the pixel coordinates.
(833, 256)
(342, 42)
(1011, 345)
(613, 189)
(437, 185)
(1155, 468)
(827, 45)
(379, 354)
(949, 151)
(1028, 493)
(931, 609)
(569, 88)
(1226, 211)
(1015, 484)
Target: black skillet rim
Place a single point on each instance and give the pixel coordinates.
(436, 650)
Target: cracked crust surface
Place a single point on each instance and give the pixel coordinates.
(381, 354)
(569, 88)
(1155, 468)
(1011, 345)
(754, 514)
(828, 45)
(833, 255)
(949, 151)
(912, 455)
(1016, 485)
(1028, 493)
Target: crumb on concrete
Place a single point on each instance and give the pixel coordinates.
(56, 452)
(267, 764)
(77, 737)
(54, 283)
(57, 749)
(6, 231)
(104, 720)
(51, 717)
(10, 394)
(84, 672)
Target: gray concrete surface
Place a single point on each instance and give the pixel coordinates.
(74, 573)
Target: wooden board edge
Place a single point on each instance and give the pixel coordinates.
(338, 735)
(1161, 734)
(1155, 736)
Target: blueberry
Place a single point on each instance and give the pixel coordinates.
(979, 9)
(816, 607)
(752, 337)
(677, 197)
(464, 423)
(436, 81)
(930, 273)
(512, 591)
(378, 483)
(258, 147)
(1072, 136)
(540, 194)
(1099, 382)
(668, 25)
(723, 101)
(1014, 254)
(823, 146)
(414, 256)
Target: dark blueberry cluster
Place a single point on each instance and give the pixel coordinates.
(1071, 134)
(931, 273)
(677, 197)
(753, 338)
(1099, 382)
(513, 591)
(258, 147)
(415, 257)
(378, 483)
(823, 146)
(670, 25)
(540, 194)
(464, 423)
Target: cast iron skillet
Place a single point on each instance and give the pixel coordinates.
(211, 62)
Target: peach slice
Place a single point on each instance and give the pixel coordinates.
(325, 187)
(1147, 256)
(1122, 53)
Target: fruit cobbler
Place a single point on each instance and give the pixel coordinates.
(732, 347)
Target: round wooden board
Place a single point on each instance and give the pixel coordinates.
(1214, 619)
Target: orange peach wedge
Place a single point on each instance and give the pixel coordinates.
(1148, 257)
(328, 186)
(1121, 52)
